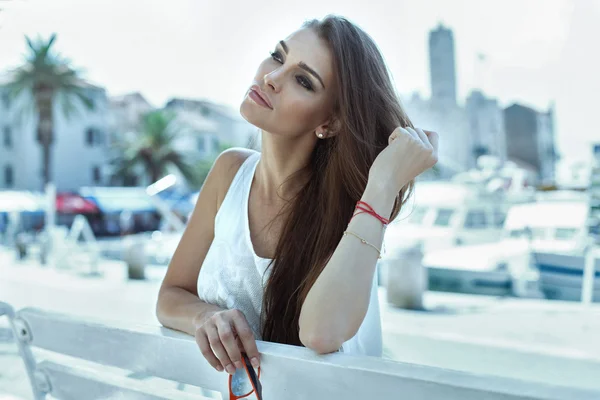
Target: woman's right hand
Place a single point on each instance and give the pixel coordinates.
(222, 337)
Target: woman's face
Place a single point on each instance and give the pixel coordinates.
(297, 79)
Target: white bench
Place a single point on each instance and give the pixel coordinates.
(94, 349)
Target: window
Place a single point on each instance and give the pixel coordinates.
(96, 174)
(443, 217)
(517, 233)
(6, 100)
(89, 136)
(476, 219)
(565, 233)
(539, 233)
(417, 215)
(7, 137)
(529, 233)
(499, 217)
(94, 137)
(8, 176)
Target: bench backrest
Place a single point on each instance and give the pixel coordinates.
(289, 372)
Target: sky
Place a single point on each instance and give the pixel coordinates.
(537, 52)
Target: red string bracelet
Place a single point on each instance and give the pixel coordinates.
(367, 209)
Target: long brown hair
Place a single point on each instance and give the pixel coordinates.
(367, 110)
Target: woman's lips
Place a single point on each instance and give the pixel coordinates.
(259, 97)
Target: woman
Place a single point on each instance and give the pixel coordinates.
(277, 248)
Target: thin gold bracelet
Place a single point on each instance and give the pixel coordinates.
(363, 241)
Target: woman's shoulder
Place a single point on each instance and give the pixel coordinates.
(226, 167)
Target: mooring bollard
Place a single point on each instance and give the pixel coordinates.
(406, 279)
(21, 244)
(134, 255)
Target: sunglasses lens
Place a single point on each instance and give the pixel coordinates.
(241, 385)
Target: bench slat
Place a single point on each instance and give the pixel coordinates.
(83, 383)
(156, 351)
(290, 372)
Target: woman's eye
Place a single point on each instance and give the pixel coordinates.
(276, 56)
(304, 82)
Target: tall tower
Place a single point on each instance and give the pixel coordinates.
(442, 66)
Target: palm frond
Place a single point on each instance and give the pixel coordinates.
(155, 148)
(67, 105)
(45, 68)
(184, 166)
(124, 167)
(85, 100)
(47, 79)
(32, 46)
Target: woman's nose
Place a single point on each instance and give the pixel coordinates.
(270, 81)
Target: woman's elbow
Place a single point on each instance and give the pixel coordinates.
(159, 309)
(321, 344)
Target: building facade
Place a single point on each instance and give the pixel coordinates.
(441, 112)
(442, 66)
(486, 127)
(453, 126)
(126, 113)
(125, 118)
(530, 140)
(229, 128)
(546, 146)
(594, 195)
(203, 129)
(78, 154)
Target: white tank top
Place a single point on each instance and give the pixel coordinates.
(233, 276)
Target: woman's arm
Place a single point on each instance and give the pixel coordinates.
(337, 303)
(222, 335)
(178, 306)
(179, 309)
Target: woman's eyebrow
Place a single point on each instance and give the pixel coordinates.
(302, 64)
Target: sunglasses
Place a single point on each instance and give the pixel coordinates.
(244, 382)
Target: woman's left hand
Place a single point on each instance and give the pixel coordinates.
(409, 153)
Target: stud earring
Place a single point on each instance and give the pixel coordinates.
(320, 135)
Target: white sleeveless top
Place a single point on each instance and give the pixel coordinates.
(232, 274)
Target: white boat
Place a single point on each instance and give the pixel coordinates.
(559, 238)
(561, 275)
(476, 269)
(442, 215)
(540, 253)
(551, 225)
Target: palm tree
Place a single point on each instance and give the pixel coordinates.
(46, 79)
(153, 149)
(203, 166)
